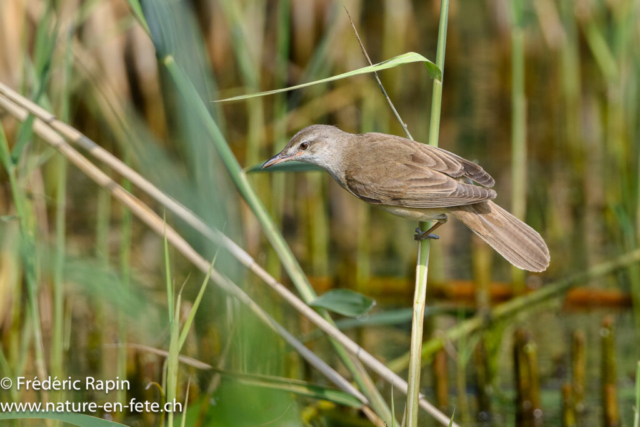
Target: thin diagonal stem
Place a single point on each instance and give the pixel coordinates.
(384, 91)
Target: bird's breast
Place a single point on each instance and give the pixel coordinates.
(424, 215)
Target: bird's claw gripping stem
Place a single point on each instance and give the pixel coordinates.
(424, 235)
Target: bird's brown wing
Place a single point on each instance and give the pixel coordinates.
(452, 165)
(438, 159)
(388, 171)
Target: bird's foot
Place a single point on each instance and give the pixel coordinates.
(424, 235)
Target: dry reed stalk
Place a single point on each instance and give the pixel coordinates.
(578, 370)
(611, 412)
(440, 375)
(483, 381)
(568, 407)
(528, 410)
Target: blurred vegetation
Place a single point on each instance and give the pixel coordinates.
(544, 94)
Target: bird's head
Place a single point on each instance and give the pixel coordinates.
(314, 144)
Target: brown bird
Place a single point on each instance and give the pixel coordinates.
(418, 182)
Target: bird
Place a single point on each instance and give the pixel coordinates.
(418, 182)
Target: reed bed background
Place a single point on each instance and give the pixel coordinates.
(95, 281)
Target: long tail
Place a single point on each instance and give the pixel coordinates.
(520, 244)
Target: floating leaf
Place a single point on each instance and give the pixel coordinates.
(286, 167)
(345, 302)
(406, 58)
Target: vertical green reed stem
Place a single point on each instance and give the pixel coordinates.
(436, 97)
(58, 275)
(172, 361)
(422, 270)
(169, 280)
(318, 226)
(248, 60)
(635, 280)
(280, 125)
(518, 127)
(461, 375)
(57, 340)
(633, 126)
(571, 88)
(125, 272)
(102, 253)
(7, 371)
(28, 254)
(43, 51)
(102, 227)
(636, 416)
(363, 262)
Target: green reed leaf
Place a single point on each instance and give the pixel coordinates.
(285, 167)
(407, 58)
(345, 302)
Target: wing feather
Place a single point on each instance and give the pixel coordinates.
(446, 162)
(415, 176)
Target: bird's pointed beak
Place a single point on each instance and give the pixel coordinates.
(278, 158)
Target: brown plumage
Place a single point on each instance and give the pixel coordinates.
(414, 175)
(419, 182)
(520, 244)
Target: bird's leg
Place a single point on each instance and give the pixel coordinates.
(423, 235)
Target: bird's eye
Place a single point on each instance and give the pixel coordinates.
(304, 145)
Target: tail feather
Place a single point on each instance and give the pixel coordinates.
(520, 244)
